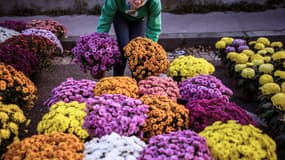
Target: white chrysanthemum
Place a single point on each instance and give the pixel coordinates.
(6, 34)
(113, 147)
(44, 33)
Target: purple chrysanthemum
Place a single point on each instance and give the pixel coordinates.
(72, 90)
(96, 52)
(203, 87)
(115, 113)
(186, 145)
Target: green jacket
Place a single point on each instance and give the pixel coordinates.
(151, 10)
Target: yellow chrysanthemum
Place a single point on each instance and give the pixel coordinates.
(266, 68)
(232, 56)
(240, 67)
(257, 62)
(264, 41)
(280, 74)
(220, 44)
(189, 66)
(252, 43)
(265, 78)
(249, 64)
(278, 55)
(267, 59)
(248, 52)
(235, 141)
(13, 128)
(4, 133)
(241, 58)
(248, 73)
(3, 117)
(64, 117)
(262, 52)
(19, 117)
(270, 88)
(278, 101)
(259, 46)
(269, 50)
(277, 44)
(228, 40)
(256, 56)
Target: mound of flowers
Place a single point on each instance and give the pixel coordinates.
(185, 67)
(54, 26)
(47, 146)
(14, 25)
(145, 58)
(185, 145)
(45, 33)
(38, 45)
(96, 52)
(117, 85)
(72, 90)
(164, 116)
(12, 123)
(115, 113)
(235, 141)
(113, 146)
(16, 87)
(160, 86)
(64, 117)
(204, 112)
(21, 59)
(6, 34)
(204, 87)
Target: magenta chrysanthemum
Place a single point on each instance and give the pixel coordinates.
(115, 113)
(205, 112)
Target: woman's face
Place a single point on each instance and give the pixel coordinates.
(136, 3)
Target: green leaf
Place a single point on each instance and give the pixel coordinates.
(240, 82)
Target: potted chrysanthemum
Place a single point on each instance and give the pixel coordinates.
(234, 141)
(52, 25)
(96, 53)
(145, 58)
(16, 87)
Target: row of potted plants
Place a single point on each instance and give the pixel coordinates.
(32, 45)
(25, 47)
(258, 67)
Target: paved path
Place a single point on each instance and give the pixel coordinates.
(270, 20)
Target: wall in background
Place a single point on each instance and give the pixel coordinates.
(83, 6)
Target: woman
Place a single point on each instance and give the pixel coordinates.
(131, 18)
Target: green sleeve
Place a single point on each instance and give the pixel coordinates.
(154, 21)
(106, 18)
